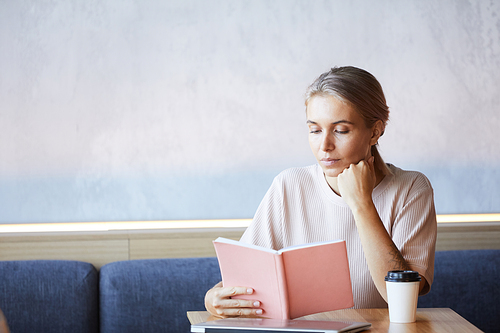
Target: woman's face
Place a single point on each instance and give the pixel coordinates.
(338, 135)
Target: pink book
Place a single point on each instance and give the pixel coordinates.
(292, 282)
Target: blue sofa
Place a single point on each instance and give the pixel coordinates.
(49, 296)
(154, 295)
(468, 282)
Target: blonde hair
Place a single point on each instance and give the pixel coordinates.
(360, 89)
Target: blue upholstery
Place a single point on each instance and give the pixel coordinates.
(154, 295)
(49, 296)
(468, 282)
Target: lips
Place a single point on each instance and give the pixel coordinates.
(329, 161)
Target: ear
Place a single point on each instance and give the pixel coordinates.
(377, 131)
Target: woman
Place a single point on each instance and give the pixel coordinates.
(4, 328)
(385, 214)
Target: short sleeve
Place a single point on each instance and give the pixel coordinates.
(415, 230)
(266, 229)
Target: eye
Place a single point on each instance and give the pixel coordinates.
(341, 132)
(314, 129)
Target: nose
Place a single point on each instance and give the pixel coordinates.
(327, 142)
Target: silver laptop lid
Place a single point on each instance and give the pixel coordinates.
(240, 325)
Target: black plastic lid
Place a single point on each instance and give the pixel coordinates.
(402, 276)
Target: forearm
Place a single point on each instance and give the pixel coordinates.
(380, 252)
(356, 185)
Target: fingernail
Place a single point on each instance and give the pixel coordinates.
(258, 311)
(256, 303)
(249, 290)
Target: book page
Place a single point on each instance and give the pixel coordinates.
(301, 246)
(318, 279)
(250, 246)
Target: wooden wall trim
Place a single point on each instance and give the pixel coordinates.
(100, 248)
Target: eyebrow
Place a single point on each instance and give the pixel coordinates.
(334, 123)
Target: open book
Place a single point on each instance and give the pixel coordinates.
(290, 283)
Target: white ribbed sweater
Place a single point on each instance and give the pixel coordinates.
(300, 207)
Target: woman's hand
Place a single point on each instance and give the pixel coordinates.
(219, 303)
(356, 183)
(4, 328)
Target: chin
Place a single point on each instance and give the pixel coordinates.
(331, 172)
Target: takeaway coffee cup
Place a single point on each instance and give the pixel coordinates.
(402, 295)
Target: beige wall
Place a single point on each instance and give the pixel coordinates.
(120, 110)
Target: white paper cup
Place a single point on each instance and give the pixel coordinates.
(402, 295)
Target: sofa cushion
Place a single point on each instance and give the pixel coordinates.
(49, 296)
(468, 283)
(153, 295)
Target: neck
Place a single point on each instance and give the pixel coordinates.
(332, 182)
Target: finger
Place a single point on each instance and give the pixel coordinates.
(366, 162)
(342, 174)
(239, 312)
(226, 306)
(349, 167)
(238, 303)
(233, 291)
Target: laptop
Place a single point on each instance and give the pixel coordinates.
(264, 325)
